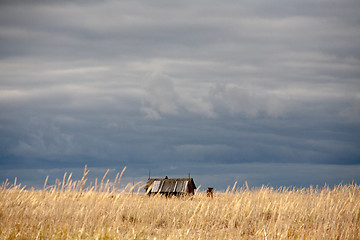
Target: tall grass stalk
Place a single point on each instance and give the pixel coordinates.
(70, 210)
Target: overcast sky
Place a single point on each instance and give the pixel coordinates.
(266, 92)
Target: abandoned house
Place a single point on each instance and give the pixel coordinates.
(170, 186)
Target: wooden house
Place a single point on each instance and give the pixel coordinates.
(170, 186)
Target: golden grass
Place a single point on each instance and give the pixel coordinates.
(67, 210)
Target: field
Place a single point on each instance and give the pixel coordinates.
(69, 210)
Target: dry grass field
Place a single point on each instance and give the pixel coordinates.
(68, 210)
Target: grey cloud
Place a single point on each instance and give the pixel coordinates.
(171, 86)
(161, 94)
(237, 99)
(46, 142)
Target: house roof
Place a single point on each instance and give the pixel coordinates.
(169, 185)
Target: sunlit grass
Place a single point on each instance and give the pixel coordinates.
(69, 210)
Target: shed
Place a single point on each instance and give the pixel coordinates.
(170, 186)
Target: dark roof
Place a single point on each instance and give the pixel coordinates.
(170, 185)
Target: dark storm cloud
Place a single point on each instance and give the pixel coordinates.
(179, 87)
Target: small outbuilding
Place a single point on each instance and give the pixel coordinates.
(170, 186)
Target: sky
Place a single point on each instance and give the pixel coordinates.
(266, 92)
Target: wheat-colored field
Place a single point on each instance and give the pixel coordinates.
(68, 210)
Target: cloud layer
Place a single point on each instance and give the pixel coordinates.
(179, 87)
